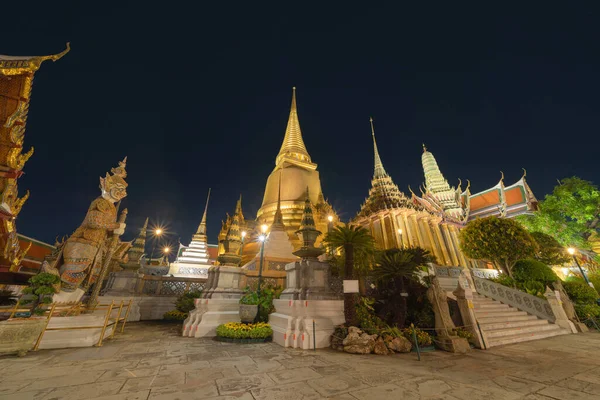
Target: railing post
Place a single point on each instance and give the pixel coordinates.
(464, 298)
(557, 309)
(159, 287)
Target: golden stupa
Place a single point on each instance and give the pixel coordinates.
(298, 173)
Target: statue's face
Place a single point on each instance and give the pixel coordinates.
(118, 192)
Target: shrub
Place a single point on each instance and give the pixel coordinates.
(580, 293)
(175, 315)
(423, 338)
(264, 301)
(463, 333)
(367, 320)
(42, 286)
(586, 312)
(504, 279)
(237, 330)
(533, 270)
(185, 302)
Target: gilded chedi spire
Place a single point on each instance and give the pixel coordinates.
(293, 148)
(379, 171)
(202, 227)
(233, 238)
(384, 194)
(277, 224)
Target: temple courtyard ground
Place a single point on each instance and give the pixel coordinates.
(150, 361)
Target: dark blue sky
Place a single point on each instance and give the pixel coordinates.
(198, 96)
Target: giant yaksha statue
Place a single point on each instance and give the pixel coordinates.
(81, 257)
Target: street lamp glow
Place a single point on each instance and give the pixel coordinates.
(244, 234)
(571, 250)
(330, 218)
(158, 231)
(264, 228)
(262, 237)
(167, 250)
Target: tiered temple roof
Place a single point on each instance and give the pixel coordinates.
(384, 193)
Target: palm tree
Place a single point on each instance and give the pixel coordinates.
(352, 241)
(394, 269)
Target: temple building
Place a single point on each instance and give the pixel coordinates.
(297, 173)
(16, 80)
(459, 207)
(396, 221)
(193, 261)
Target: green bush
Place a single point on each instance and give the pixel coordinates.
(237, 330)
(175, 315)
(463, 333)
(264, 301)
(586, 312)
(505, 280)
(534, 288)
(580, 293)
(367, 320)
(533, 270)
(185, 302)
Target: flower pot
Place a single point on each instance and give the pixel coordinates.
(248, 313)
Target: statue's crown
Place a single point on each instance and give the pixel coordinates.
(120, 170)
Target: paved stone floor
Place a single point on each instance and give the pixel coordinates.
(150, 361)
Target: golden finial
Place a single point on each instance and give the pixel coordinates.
(524, 173)
(468, 185)
(424, 148)
(293, 108)
(502, 174)
(372, 128)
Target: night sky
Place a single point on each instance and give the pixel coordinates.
(198, 96)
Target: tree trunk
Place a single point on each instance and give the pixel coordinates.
(349, 298)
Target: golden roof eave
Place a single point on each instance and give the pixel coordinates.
(17, 65)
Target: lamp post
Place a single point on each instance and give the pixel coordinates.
(400, 235)
(262, 237)
(166, 251)
(157, 233)
(329, 229)
(571, 251)
(244, 233)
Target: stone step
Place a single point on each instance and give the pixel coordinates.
(491, 306)
(512, 318)
(497, 333)
(489, 326)
(510, 312)
(524, 337)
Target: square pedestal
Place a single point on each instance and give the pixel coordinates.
(208, 314)
(305, 324)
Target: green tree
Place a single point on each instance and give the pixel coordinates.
(394, 269)
(350, 241)
(501, 241)
(550, 252)
(571, 214)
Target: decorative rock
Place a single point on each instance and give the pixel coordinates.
(380, 347)
(400, 345)
(358, 342)
(337, 338)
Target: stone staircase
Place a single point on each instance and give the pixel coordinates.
(503, 324)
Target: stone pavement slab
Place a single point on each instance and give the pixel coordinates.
(151, 361)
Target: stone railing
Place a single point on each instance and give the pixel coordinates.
(447, 272)
(515, 298)
(484, 273)
(167, 285)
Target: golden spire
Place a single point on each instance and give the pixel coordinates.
(293, 145)
(202, 227)
(379, 170)
(278, 218)
(424, 148)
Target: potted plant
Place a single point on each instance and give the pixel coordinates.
(249, 306)
(42, 287)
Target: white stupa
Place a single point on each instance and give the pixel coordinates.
(193, 260)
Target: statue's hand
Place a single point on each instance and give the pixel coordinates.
(120, 230)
